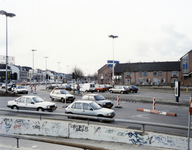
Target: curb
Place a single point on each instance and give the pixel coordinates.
(157, 112)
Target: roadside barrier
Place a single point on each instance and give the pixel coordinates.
(31, 88)
(118, 102)
(83, 93)
(35, 90)
(154, 107)
(157, 112)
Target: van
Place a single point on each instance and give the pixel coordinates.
(87, 87)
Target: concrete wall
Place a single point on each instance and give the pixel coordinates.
(13, 125)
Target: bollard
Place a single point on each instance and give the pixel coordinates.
(35, 90)
(118, 102)
(31, 88)
(154, 107)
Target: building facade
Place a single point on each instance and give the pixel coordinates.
(141, 73)
(186, 69)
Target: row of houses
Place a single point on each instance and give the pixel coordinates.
(149, 72)
(24, 73)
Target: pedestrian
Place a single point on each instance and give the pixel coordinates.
(78, 89)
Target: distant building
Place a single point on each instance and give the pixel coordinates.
(186, 69)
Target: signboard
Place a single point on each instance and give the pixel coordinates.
(177, 88)
(111, 61)
(11, 60)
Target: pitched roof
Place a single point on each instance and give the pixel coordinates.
(147, 66)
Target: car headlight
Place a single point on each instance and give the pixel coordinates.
(108, 114)
(48, 106)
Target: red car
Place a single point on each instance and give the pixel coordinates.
(100, 88)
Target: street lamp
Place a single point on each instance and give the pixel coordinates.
(46, 69)
(33, 64)
(113, 36)
(2, 12)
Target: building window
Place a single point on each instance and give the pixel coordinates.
(160, 73)
(174, 73)
(185, 64)
(140, 73)
(127, 74)
(154, 73)
(145, 73)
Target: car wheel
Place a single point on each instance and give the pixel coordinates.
(40, 109)
(121, 92)
(15, 107)
(111, 91)
(26, 92)
(52, 99)
(97, 90)
(62, 100)
(135, 91)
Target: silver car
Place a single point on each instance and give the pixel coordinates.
(89, 108)
(61, 95)
(119, 89)
(99, 99)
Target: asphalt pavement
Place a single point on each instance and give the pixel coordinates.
(8, 143)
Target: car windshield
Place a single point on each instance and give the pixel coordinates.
(37, 99)
(64, 92)
(21, 87)
(95, 106)
(99, 97)
(125, 87)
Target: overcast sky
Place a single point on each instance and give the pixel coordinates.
(75, 32)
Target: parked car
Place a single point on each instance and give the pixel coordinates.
(119, 89)
(133, 88)
(89, 108)
(52, 86)
(99, 99)
(61, 95)
(20, 90)
(31, 103)
(100, 88)
(9, 86)
(108, 86)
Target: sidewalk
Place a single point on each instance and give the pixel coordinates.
(11, 144)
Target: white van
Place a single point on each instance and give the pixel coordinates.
(87, 87)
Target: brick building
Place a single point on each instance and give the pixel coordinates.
(186, 69)
(142, 73)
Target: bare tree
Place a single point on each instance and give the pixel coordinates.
(78, 73)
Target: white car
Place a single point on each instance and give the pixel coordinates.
(20, 90)
(61, 95)
(119, 89)
(31, 103)
(89, 108)
(99, 99)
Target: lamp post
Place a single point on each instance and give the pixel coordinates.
(46, 70)
(2, 12)
(113, 36)
(33, 65)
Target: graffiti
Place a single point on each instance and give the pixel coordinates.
(97, 129)
(161, 139)
(150, 139)
(136, 139)
(8, 124)
(120, 134)
(37, 127)
(109, 131)
(171, 142)
(136, 135)
(81, 128)
(18, 123)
